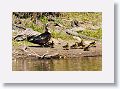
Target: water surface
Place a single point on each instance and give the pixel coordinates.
(75, 64)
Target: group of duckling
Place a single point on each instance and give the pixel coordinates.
(79, 45)
(76, 45)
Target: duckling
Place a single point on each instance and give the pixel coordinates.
(74, 46)
(93, 44)
(66, 47)
(81, 44)
(52, 44)
(87, 48)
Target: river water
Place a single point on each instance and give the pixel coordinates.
(70, 64)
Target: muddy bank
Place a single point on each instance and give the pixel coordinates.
(28, 59)
(37, 52)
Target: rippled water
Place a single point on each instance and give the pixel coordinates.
(76, 64)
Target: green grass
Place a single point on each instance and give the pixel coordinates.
(92, 33)
(66, 24)
(61, 35)
(35, 27)
(21, 43)
(94, 17)
(44, 19)
(65, 20)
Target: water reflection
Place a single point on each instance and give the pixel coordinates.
(75, 64)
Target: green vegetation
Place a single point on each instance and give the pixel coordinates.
(65, 19)
(94, 17)
(72, 59)
(20, 43)
(44, 19)
(92, 33)
(34, 27)
(61, 35)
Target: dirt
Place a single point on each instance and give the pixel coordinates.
(31, 51)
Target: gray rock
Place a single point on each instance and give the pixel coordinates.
(26, 33)
(29, 32)
(71, 32)
(20, 38)
(78, 29)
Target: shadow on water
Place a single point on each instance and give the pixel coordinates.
(70, 64)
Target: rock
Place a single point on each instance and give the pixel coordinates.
(94, 27)
(87, 42)
(77, 38)
(18, 27)
(50, 56)
(54, 40)
(26, 33)
(71, 32)
(61, 41)
(78, 29)
(57, 41)
(29, 32)
(20, 38)
(18, 21)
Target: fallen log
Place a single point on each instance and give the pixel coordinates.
(50, 56)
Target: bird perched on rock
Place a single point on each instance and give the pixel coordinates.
(41, 39)
(74, 46)
(66, 47)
